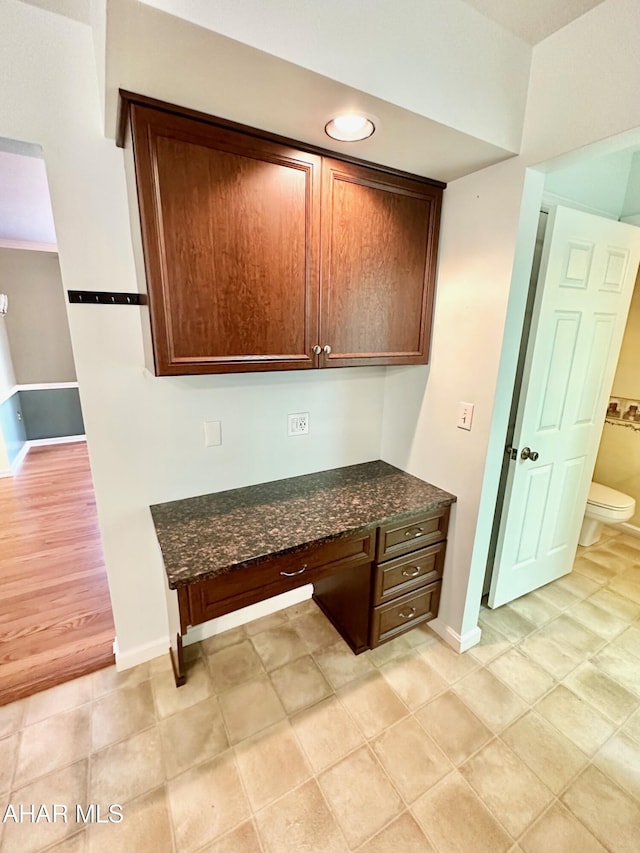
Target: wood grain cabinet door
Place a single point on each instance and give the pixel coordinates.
(230, 228)
(378, 261)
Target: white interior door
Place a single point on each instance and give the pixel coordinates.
(586, 280)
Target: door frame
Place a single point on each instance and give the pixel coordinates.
(532, 200)
(568, 221)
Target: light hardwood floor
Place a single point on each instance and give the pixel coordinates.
(55, 614)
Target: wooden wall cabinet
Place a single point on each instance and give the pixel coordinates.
(262, 254)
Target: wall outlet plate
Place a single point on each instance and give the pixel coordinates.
(298, 423)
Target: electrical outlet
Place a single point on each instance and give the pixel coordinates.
(465, 415)
(212, 433)
(298, 424)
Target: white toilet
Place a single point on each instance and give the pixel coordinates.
(604, 506)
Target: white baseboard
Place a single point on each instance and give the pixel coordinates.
(37, 442)
(141, 654)
(63, 439)
(630, 529)
(461, 643)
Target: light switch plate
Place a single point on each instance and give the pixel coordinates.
(212, 433)
(465, 415)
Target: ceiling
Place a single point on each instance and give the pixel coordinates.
(26, 218)
(418, 143)
(530, 20)
(533, 20)
(79, 10)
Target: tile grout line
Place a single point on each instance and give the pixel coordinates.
(589, 759)
(617, 727)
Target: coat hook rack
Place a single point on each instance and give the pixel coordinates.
(103, 297)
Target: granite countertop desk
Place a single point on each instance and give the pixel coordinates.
(209, 537)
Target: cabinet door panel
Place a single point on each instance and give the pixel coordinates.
(379, 236)
(229, 229)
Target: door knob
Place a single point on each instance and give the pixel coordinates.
(327, 349)
(527, 453)
(317, 349)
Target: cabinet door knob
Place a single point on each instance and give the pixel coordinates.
(293, 574)
(317, 349)
(327, 349)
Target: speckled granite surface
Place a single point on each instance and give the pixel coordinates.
(212, 534)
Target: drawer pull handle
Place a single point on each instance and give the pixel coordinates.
(408, 614)
(407, 574)
(414, 531)
(293, 574)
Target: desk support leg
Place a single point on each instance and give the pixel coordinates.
(177, 662)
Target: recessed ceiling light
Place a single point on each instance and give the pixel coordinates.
(349, 127)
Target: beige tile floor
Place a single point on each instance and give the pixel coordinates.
(284, 741)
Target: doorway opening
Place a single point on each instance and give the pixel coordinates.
(56, 621)
(609, 187)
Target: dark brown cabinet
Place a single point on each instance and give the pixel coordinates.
(369, 595)
(263, 255)
(378, 254)
(407, 576)
(370, 538)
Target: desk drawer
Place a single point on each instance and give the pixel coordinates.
(247, 585)
(424, 529)
(396, 577)
(404, 613)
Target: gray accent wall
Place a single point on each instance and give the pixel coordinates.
(36, 323)
(12, 427)
(51, 413)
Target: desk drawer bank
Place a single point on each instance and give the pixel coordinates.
(370, 538)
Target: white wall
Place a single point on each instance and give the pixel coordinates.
(145, 434)
(584, 83)
(144, 431)
(223, 77)
(599, 185)
(481, 218)
(37, 322)
(439, 59)
(7, 373)
(631, 205)
(7, 384)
